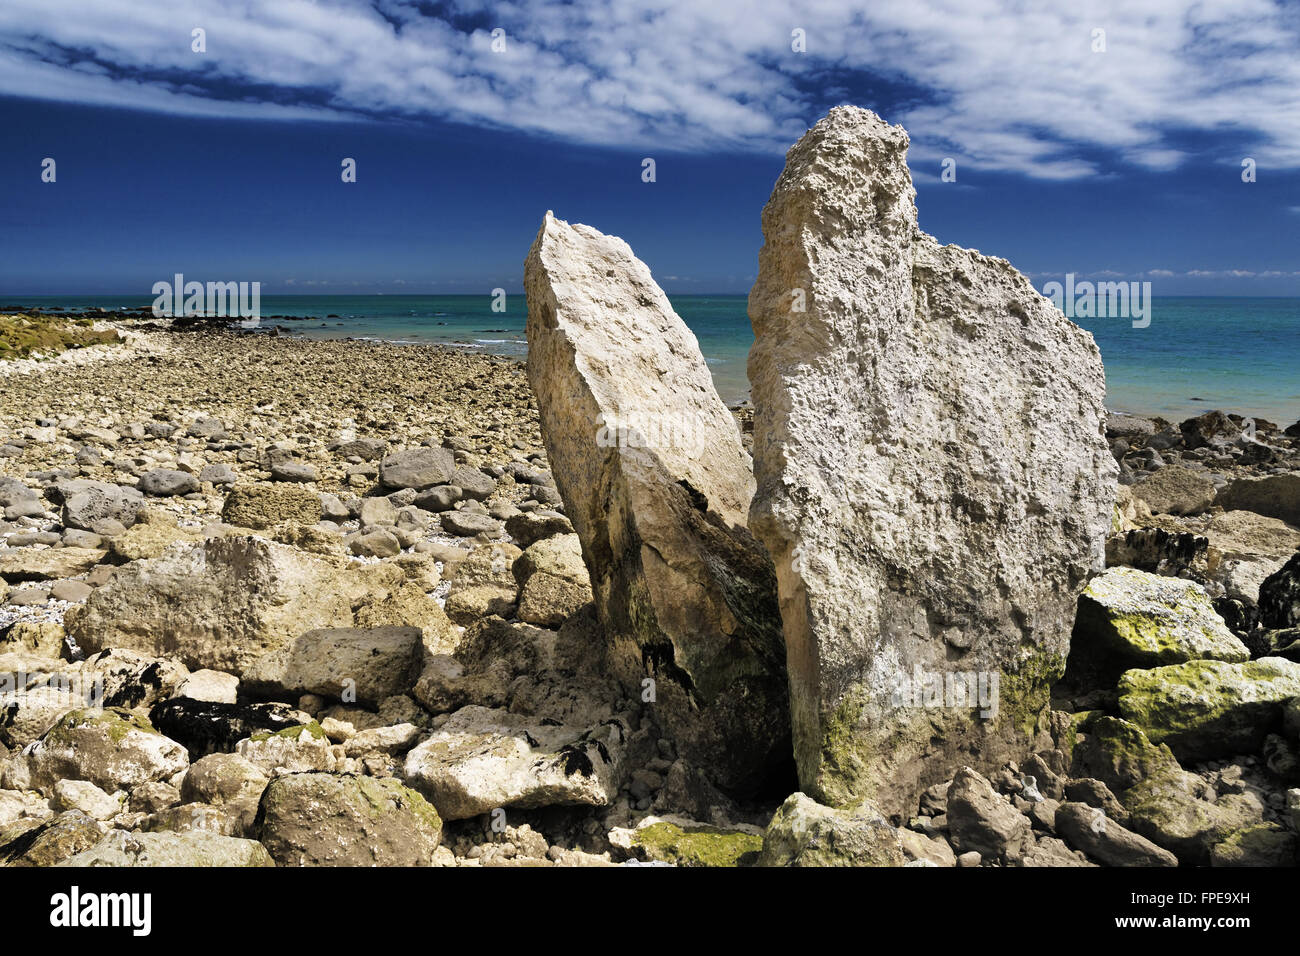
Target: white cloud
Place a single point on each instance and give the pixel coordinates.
(1000, 84)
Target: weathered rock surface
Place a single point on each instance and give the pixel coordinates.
(1276, 496)
(982, 821)
(362, 665)
(934, 484)
(226, 602)
(111, 748)
(481, 759)
(322, 819)
(805, 833)
(1208, 709)
(1129, 618)
(1089, 829)
(654, 477)
(1176, 490)
(191, 848)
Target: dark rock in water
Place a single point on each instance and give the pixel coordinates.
(204, 727)
(1279, 596)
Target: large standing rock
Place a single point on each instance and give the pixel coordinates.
(934, 484)
(653, 475)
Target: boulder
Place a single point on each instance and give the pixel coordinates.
(657, 484)
(934, 482)
(225, 602)
(167, 483)
(983, 821)
(1279, 596)
(87, 504)
(1275, 496)
(187, 849)
(322, 819)
(1176, 490)
(1089, 829)
(1129, 618)
(805, 833)
(1209, 709)
(481, 759)
(112, 748)
(1212, 428)
(358, 665)
(1265, 844)
(417, 468)
(49, 842)
(265, 506)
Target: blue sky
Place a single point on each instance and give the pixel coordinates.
(225, 164)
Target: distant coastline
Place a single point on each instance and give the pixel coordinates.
(1199, 353)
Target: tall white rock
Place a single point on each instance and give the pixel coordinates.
(655, 479)
(934, 484)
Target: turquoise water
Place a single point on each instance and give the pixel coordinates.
(1237, 354)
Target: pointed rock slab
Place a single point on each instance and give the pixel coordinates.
(655, 479)
(934, 484)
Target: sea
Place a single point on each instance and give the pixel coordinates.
(1236, 354)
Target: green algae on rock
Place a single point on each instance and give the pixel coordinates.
(1209, 709)
(803, 832)
(698, 845)
(1130, 618)
(26, 336)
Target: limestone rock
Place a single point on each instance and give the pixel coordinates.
(1209, 709)
(322, 819)
(657, 484)
(481, 759)
(1176, 490)
(1089, 829)
(111, 748)
(981, 820)
(1130, 618)
(367, 664)
(1275, 496)
(225, 602)
(934, 483)
(805, 833)
(191, 848)
(1279, 596)
(265, 506)
(417, 468)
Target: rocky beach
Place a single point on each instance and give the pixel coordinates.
(267, 600)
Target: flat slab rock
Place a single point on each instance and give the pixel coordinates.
(934, 482)
(483, 758)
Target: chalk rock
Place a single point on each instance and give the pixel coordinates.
(654, 477)
(934, 483)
